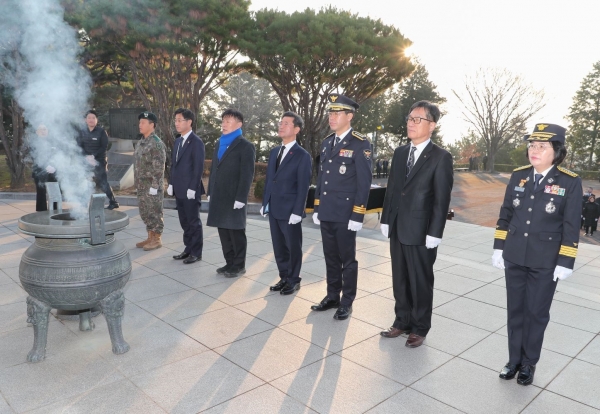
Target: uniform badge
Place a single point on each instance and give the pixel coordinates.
(554, 189)
(346, 153)
(523, 181)
(367, 154)
(550, 207)
(324, 149)
(521, 189)
(342, 169)
(516, 202)
(550, 180)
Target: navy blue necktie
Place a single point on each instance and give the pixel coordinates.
(537, 179)
(411, 160)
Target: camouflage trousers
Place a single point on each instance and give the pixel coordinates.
(151, 211)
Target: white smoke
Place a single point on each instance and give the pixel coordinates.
(52, 88)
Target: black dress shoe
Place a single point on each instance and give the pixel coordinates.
(526, 375)
(289, 289)
(112, 205)
(325, 304)
(182, 255)
(223, 269)
(509, 371)
(278, 286)
(192, 259)
(342, 313)
(235, 271)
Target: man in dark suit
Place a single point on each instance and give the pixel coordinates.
(341, 196)
(284, 200)
(231, 175)
(414, 216)
(187, 165)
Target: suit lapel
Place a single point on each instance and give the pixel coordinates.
(401, 166)
(287, 158)
(184, 147)
(230, 148)
(423, 158)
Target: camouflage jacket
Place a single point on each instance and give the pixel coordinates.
(149, 169)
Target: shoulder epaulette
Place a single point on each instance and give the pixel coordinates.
(358, 135)
(329, 136)
(523, 168)
(156, 138)
(568, 172)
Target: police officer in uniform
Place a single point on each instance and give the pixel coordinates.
(343, 185)
(149, 174)
(93, 140)
(536, 242)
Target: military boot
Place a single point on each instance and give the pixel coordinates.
(143, 243)
(155, 242)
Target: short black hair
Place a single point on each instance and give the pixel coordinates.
(560, 152)
(432, 112)
(186, 114)
(91, 111)
(234, 113)
(298, 121)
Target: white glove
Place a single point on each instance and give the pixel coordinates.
(237, 205)
(170, 190)
(91, 160)
(432, 242)
(497, 260)
(385, 230)
(562, 273)
(316, 219)
(294, 219)
(208, 198)
(261, 212)
(191, 194)
(153, 191)
(354, 225)
(50, 169)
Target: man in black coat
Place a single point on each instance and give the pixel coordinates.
(414, 216)
(284, 200)
(341, 196)
(187, 165)
(231, 175)
(93, 140)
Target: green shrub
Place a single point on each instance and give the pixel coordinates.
(259, 188)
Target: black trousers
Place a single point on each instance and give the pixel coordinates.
(339, 247)
(41, 202)
(234, 243)
(287, 246)
(529, 294)
(189, 219)
(101, 180)
(412, 281)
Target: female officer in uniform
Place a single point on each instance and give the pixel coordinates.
(536, 242)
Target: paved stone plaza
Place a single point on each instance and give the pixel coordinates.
(203, 343)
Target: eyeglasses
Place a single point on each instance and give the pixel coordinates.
(416, 120)
(286, 124)
(537, 147)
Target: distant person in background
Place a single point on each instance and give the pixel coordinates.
(386, 164)
(591, 212)
(485, 160)
(42, 172)
(378, 168)
(93, 140)
(586, 196)
(149, 175)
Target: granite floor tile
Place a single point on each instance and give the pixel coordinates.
(321, 329)
(196, 383)
(181, 305)
(221, 327)
(242, 290)
(265, 399)
(451, 336)
(315, 292)
(152, 287)
(12, 293)
(471, 312)
(375, 310)
(277, 309)
(448, 383)
(490, 294)
(591, 353)
(472, 273)
(411, 401)
(548, 402)
(336, 385)
(575, 316)
(392, 359)
(272, 354)
(578, 381)
(454, 284)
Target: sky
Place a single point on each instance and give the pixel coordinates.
(551, 44)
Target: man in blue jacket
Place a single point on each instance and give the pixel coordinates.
(286, 189)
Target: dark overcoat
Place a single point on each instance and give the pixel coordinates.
(229, 181)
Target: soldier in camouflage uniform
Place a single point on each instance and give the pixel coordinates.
(150, 155)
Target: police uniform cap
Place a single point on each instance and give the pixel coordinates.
(337, 102)
(548, 132)
(149, 116)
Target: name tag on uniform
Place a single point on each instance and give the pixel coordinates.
(520, 189)
(346, 153)
(554, 189)
(94, 139)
